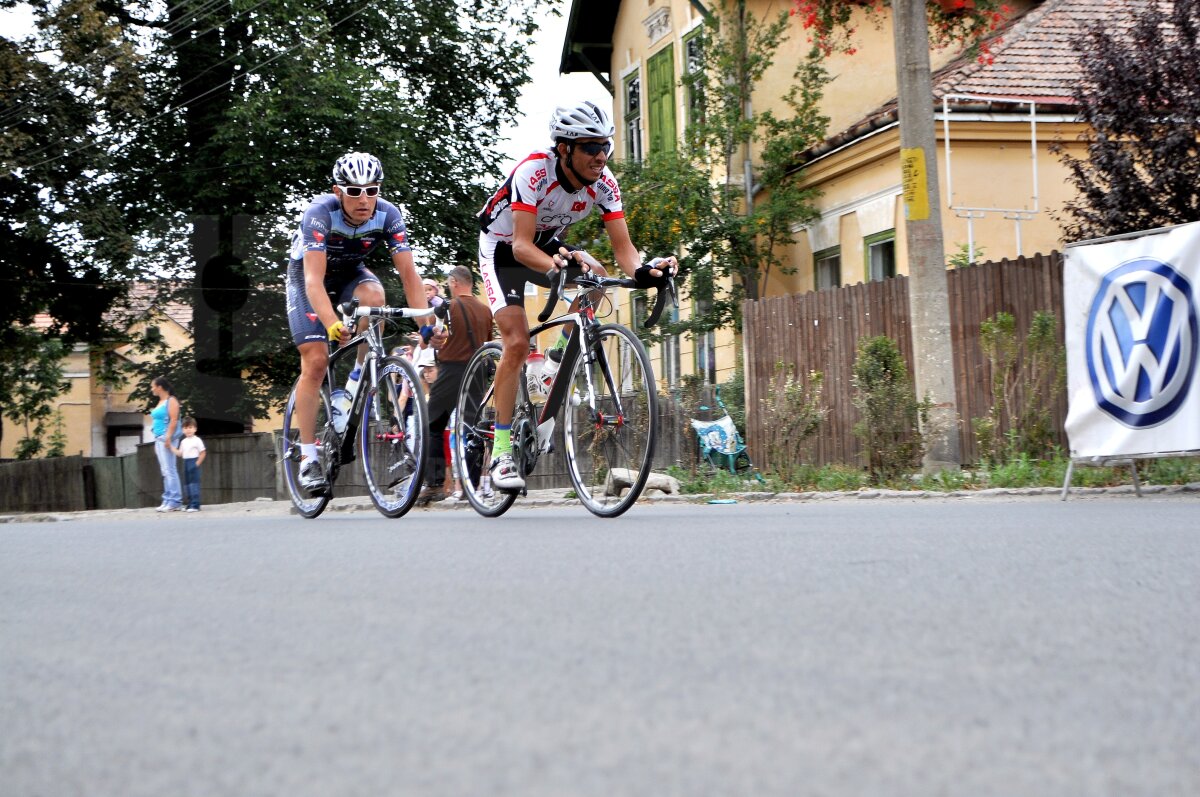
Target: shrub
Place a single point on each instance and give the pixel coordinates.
(891, 416)
(1028, 378)
(792, 413)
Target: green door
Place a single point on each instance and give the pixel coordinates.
(660, 96)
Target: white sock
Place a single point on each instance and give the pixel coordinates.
(308, 451)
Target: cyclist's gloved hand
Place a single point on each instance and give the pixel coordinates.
(336, 330)
(645, 279)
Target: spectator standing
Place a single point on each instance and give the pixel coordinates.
(468, 326)
(164, 425)
(193, 452)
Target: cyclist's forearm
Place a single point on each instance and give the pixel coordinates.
(414, 292)
(314, 287)
(525, 253)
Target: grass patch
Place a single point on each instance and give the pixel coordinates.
(1021, 471)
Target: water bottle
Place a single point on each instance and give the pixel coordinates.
(533, 374)
(341, 401)
(352, 382)
(549, 368)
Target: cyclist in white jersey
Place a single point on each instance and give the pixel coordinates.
(519, 242)
(336, 234)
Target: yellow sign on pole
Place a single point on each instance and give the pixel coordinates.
(916, 185)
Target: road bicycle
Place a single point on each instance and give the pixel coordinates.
(604, 392)
(386, 423)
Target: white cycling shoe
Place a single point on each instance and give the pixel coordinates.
(505, 473)
(312, 477)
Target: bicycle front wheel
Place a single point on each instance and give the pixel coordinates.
(394, 437)
(308, 505)
(474, 431)
(611, 421)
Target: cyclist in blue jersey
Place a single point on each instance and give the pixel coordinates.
(521, 224)
(329, 249)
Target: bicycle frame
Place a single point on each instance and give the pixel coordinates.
(585, 322)
(373, 339)
(371, 336)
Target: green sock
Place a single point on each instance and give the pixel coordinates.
(561, 343)
(503, 442)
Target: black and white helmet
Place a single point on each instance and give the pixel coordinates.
(357, 168)
(585, 120)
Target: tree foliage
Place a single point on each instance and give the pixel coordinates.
(30, 383)
(63, 247)
(694, 200)
(177, 142)
(1140, 97)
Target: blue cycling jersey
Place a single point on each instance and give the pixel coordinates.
(323, 228)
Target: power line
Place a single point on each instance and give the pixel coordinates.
(180, 25)
(202, 95)
(99, 53)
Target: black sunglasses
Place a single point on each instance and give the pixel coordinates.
(359, 190)
(594, 148)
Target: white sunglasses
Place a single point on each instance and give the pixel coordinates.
(359, 190)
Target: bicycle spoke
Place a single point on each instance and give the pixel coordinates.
(474, 429)
(392, 439)
(610, 431)
(309, 506)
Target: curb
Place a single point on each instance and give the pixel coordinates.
(555, 498)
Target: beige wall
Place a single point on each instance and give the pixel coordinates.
(85, 406)
(991, 165)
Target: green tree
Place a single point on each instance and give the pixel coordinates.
(243, 107)
(63, 248)
(28, 385)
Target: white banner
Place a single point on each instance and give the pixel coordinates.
(1133, 346)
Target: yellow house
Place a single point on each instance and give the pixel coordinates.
(999, 182)
(98, 420)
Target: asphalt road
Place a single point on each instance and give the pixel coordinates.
(978, 647)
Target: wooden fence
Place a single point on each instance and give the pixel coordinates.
(819, 332)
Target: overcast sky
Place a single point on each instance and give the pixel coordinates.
(547, 90)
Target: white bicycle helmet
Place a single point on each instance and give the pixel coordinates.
(357, 168)
(585, 120)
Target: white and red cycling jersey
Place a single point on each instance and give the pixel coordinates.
(537, 185)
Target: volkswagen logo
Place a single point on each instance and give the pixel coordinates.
(1141, 342)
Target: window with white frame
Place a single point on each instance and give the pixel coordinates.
(693, 64)
(633, 117)
(706, 345)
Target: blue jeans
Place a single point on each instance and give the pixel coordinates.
(170, 472)
(191, 482)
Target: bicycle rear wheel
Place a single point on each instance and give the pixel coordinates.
(393, 450)
(475, 429)
(308, 505)
(610, 422)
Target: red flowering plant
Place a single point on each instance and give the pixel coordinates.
(965, 22)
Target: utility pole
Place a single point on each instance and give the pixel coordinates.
(928, 300)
